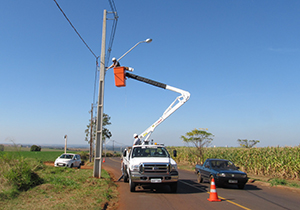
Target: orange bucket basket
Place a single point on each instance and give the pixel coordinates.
(119, 73)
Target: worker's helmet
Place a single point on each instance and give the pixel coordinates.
(135, 135)
(113, 59)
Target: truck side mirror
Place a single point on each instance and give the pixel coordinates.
(175, 153)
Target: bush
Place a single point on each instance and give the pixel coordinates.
(19, 172)
(84, 155)
(1, 147)
(35, 148)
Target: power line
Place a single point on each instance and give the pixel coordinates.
(113, 30)
(75, 29)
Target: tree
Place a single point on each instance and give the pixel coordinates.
(1, 147)
(245, 143)
(105, 134)
(200, 139)
(35, 148)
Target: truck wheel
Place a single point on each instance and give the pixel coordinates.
(131, 185)
(199, 178)
(173, 187)
(125, 177)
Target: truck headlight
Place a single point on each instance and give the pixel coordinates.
(244, 175)
(174, 167)
(221, 174)
(135, 167)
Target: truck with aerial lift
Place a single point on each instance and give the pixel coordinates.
(150, 164)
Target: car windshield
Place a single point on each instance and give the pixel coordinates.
(149, 152)
(66, 156)
(222, 164)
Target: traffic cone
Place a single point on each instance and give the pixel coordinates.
(103, 160)
(213, 195)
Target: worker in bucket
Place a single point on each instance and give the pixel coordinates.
(137, 140)
(117, 64)
(114, 65)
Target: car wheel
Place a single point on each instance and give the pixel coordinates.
(131, 185)
(79, 166)
(173, 187)
(241, 186)
(199, 178)
(71, 166)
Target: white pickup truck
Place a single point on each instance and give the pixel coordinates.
(149, 165)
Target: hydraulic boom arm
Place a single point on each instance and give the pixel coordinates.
(178, 102)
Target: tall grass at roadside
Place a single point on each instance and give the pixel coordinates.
(281, 162)
(26, 183)
(17, 174)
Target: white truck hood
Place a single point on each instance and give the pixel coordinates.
(137, 161)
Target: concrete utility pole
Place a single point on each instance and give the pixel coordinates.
(99, 143)
(91, 134)
(66, 137)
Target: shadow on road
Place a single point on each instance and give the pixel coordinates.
(184, 187)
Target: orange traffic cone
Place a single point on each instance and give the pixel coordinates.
(103, 160)
(213, 196)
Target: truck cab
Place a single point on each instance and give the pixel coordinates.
(149, 164)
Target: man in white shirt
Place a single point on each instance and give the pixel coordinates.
(136, 141)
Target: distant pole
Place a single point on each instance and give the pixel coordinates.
(99, 125)
(91, 135)
(65, 143)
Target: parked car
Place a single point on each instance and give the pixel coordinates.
(223, 171)
(68, 160)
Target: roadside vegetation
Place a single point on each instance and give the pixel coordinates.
(280, 165)
(26, 183)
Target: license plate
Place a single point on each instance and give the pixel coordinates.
(60, 164)
(232, 181)
(155, 180)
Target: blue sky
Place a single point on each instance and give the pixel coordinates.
(238, 59)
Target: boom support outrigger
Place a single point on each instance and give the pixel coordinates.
(178, 102)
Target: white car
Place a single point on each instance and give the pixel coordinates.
(68, 160)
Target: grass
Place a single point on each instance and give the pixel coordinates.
(56, 188)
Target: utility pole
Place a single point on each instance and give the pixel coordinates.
(113, 147)
(66, 137)
(91, 134)
(99, 125)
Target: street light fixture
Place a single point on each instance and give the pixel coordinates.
(145, 41)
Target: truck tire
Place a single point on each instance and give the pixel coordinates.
(173, 187)
(199, 177)
(131, 185)
(125, 177)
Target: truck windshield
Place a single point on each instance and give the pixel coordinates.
(149, 152)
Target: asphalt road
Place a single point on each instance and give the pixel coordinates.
(192, 195)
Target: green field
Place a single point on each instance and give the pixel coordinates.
(45, 155)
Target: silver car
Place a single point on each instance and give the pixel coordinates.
(68, 160)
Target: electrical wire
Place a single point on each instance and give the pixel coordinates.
(113, 30)
(111, 40)
(75, 29)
